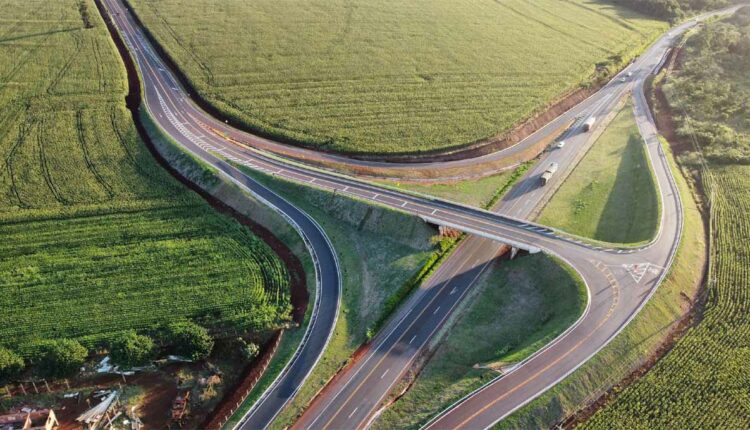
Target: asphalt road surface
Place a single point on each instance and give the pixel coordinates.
(619, 281)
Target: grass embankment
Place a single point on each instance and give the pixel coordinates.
(394, 76)
(97, 238)
(482, 193)
(703, 382)
(611, 195)
(517, 308)
(380, 251)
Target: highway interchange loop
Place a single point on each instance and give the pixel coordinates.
(619, 281)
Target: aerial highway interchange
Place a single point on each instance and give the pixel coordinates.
(619, 281)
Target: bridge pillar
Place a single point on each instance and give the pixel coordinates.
(513, 252)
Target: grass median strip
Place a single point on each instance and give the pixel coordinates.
(516, 309)
(611, 195)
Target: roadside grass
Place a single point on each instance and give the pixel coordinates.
(97, 238)
(391, 76)
(611, 195)
(482, 193)
(639, 340)
(516, 309)
(379, 249)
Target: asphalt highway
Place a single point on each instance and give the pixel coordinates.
(619, 281)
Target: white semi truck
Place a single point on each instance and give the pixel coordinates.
(589, 123)
(548, 173)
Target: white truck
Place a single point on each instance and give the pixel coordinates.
(551, 169)
(589, 123)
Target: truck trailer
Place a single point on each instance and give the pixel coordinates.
(589, 123)
(548, 173)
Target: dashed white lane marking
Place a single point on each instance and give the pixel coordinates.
(403, 204)
(354, 411)
(385, 373)
(433, 212)
(436, 310)
(452, 291)
(412, 339)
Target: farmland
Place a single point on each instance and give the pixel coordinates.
(611, 195)
(97, 238)
(702, 382)
(390, 77)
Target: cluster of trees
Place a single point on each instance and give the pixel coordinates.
(711, 94)
(65, 357)
(671, 9)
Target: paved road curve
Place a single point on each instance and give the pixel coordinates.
(619, 281)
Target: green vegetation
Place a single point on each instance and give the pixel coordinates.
(58, 358)
(517, 308)
(379, 249)
(130, 349)
(483, 192)
(711, 94)
(473, 192)
(97, 238)
(640, 339)
(390, 76)
(671, 9)
(10, 364)
(611, 195)
(189, 340)
(702, 382)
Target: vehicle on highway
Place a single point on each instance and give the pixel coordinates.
(589, 123)
(630, 74)
(548, 173)
(560, 144)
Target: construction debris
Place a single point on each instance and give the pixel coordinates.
(100, 414)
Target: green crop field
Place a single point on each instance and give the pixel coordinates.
(96, 237)
(520, 306)
(611, 195)
(703, 382)
(390, 76)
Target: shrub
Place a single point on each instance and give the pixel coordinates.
(189, 340)
(11, 364)
(130, 349)
(58, 358)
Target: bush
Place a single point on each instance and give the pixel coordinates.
(11, 364)
(59, 358)
(130, 349)
(189, 340)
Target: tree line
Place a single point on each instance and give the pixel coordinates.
(671, 10)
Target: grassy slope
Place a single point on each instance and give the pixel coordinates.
(378, 252)
(96, 236)
(639, 339)
(390, 76)
(474, 192)
(518, 307)
(611, 195)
